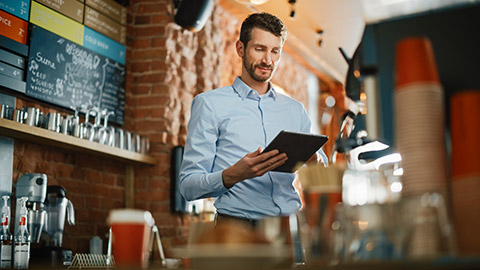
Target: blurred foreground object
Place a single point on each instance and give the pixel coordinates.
(235, 245)
(465, 177)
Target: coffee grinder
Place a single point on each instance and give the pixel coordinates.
(31, 190)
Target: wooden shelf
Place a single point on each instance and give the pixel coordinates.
(17, 130)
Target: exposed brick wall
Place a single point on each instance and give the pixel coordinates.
(94, 185)
(166, 67)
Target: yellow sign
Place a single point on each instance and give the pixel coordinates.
(56, 23)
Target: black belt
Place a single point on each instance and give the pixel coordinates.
(219, 218)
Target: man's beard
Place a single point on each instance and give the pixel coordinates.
(251, 71)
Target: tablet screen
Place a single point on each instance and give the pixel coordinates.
(299, 147)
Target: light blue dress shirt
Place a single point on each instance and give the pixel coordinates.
(226, 124)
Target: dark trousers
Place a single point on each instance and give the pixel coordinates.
(222, 219)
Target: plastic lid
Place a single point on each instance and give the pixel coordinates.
(130, 216)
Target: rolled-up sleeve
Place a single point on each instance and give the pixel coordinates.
(196, 177)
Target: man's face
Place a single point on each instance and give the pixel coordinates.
(262, 54)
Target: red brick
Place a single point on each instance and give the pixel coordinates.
(142, 113)
(59, 156)
(151, 78)
(150, 54)
(165, 219)
(154, 171)
(114, 167)
(159, 42)
(157, 100)
(142, 43)
(161, 88)
(148, 8)
(139, 20)
(150, 31)
(29, 161)
(159, 185)
(78, 200)
(78, 173)
(99, 190)
(117, 193)
(63, 171)
(19, 147)
(141, 89)
(93, 202)
(87, 161)
(159, 65)
(163, 112)
(161, 19)
(93, 176)
(120, 182)
(159, 207)
(45, 167)
(108, 179)
(141, 66)
(157, 195)
(152, 125)
(109, 203)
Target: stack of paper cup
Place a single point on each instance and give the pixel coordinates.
(465, 128)
(419, 118)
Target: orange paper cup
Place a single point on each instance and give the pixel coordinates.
(415, 62)
(131, 231)
(464, 130)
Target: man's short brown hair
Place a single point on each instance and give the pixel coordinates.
(264, 21)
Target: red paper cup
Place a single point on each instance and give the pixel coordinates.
(465, 128)
(131, 231)
(415, 62)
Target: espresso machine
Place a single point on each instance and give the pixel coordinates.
(57, 208)
(32, 186)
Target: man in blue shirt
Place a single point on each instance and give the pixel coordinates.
(227, 125)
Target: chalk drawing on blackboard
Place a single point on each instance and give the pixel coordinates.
(69, 75)
(114, 75)
(59, 88)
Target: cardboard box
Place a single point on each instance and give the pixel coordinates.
(13, 46)
(19, 8)
(12, 59)
(103, 45)
(13, 27)
(56, 23)
(109, 8)
(11, 72)
(101, 23)
(71, 8)
(13, 84)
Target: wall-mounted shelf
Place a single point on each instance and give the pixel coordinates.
(17, 130)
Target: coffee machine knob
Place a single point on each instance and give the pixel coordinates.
(39, 181)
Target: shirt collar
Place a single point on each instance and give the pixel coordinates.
(245, 91)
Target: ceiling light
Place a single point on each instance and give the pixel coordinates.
(292, 10)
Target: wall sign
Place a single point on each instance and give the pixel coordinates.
(66, 74)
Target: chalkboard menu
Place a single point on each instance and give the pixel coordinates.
(66, 74)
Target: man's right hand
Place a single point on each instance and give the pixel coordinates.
(252, 165)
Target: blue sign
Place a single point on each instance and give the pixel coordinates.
(103, 45)
(19, 8)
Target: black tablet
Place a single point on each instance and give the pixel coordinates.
(299, 147)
